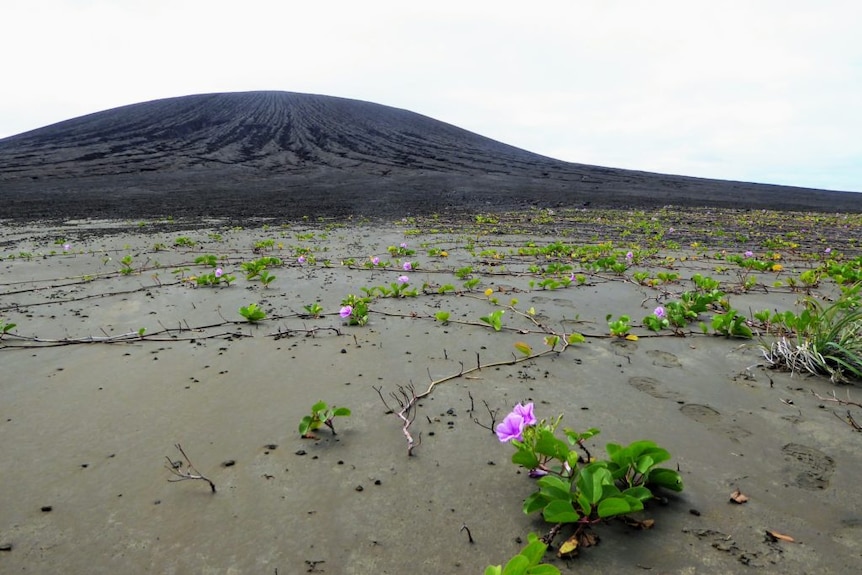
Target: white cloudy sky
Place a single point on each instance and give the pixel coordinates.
(755, 90)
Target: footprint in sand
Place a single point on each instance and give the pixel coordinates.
(713, 421)
(663, 358)
(653, 387)
(701, 413)
(811, 467)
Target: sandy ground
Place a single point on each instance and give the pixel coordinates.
(89, 411)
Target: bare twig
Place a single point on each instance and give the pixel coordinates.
(406, 399)
(176, 468)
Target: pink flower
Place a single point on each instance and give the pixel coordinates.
(827, 251)
(219, 272)
(403, 279)
(512, 427)
(67, 247)
(629, 256)
(403, 244)
(659, 312)
(407, 266)
(345, 312)
(375, 260)
(301, 259)
(749, 254)
(526, 413)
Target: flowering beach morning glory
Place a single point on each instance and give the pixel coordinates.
(659, 312)
(219, 272)
(346, 311)
(749, 254)
(403, 279)
(67, 247)
(403, 244)
(526, 413)
(408, 266)
(512, 427)
(301, 259)
(375, 260)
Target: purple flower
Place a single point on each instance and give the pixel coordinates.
(375, 260)
(659, 312)
(827, 251)
(67, 247)
(749, 254)
(403, 244)
(537, 473)
(572, 277)
(346, 311)
(512, 427)
(407, 266)
(671, 230)
(526, 413)
(403, 279)
(301, 259)
(629, 256)
(219, 272)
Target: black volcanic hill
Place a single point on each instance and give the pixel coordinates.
(287, 154)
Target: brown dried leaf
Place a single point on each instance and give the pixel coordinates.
(738, 497)
(645, 524)
(776, 536)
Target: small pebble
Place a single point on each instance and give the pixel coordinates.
(360, 488)
(229, 463)
(5, 547)
(47, 508)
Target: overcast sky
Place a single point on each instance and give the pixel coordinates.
(753, 90)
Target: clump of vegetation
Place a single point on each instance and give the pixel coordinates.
(825, 340)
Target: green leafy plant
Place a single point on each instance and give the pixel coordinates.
(313, 309)
(5, 328)
(252, 313)
(825, 340)
(527, 562)
(266, 278)
(494, 319)
(442, 317)
(184, 241)
(321, 414)
(576, 488)
(126, 264)
(731, 324)
(619, 327)
(354, 309)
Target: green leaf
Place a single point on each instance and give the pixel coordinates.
(304, 425)
(667, 478)
(575, 338)
(517, 565)
(534, 502)
(555, 488)
(591, 480)
(643, 463)
(543, 569)
(525, 458)
(534, 552)
(494, 570)
(614, 506)
(319, 406)
(341, 412)
(559, 511)
(548, 444)
(639, 492)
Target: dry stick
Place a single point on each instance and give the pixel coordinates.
(835, 399)
(189, 473)
(407, 413)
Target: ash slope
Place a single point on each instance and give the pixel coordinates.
(287, 154)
